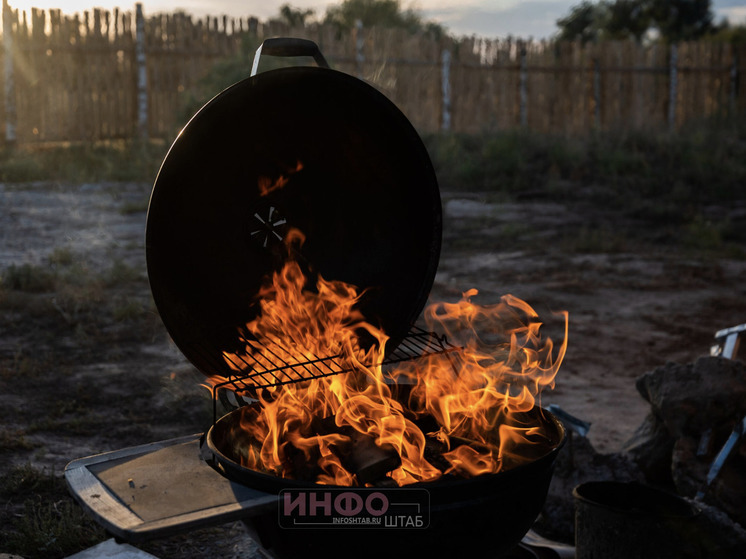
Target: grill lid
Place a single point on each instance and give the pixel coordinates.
(306, 148)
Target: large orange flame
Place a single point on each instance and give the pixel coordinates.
(463, 413)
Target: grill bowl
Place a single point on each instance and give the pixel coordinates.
(486, 514)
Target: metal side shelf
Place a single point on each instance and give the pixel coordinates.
(159, 489)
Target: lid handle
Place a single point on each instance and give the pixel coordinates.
(288, 46)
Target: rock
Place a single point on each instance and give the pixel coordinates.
(651, 448)
(718, 536)
(691, 398)
(727, 491)
(690, 405)
(688, 470)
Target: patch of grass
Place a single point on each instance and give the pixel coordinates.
(134, 207)
(14, 440)
(61, 256)
(121, 161)
(704, 234)
(24, 480)
(703, 163)
(86, 425)
(71, 290)
(24, 366)
(39, 519)
(596, 240)
(121, 273)
(78, 298)
(28, 278)
(514, 231)
(127, 309)
(19, 167)
(72, 410)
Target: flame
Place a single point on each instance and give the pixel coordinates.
(267, 185)
(464, 414)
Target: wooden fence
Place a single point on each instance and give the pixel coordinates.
(111, 75)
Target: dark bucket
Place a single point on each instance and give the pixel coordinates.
(631, 520)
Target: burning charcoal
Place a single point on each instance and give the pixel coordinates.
(361, 456)
(434, 450)
(300, 466)
(325, 426)
(385, 482)
(369, 461)
(427, 424)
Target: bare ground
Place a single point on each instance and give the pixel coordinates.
(87, 367)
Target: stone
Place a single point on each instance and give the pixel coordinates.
(691, 398)
(693, 409)
(651, 447)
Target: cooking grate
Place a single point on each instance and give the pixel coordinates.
(260, 374)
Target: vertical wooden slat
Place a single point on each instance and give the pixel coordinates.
(673, 85)
(9, 76)
(142, 79)
(82, 80)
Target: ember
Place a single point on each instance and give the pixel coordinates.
(461, 413)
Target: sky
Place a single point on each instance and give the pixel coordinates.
(486, 18)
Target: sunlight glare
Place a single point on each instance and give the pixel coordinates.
(69, 7)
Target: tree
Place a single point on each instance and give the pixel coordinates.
(627, 18)
(384, 13)
(674, 20)
(294, 17)
(585, 22)
(727, 33)
(679, 20)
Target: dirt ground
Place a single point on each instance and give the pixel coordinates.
(87, 367)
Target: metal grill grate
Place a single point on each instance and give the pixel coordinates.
(261, 374)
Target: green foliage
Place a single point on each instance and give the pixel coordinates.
(295, 17)
(61, 256)
(585, 22)
(14, 440)
(228, 71)
(135, 207)
(508, 161)
(39, 519)
(378, 13)
(28, 278)
(727, 33)
(668, 180)
(222, 75)
(681, 20)
(704, 234)
(706, 162)
(595, 240)
(121, 273)
(64, 289)
(127, 310)
(125, 161)
(627, 18)
(674, 20)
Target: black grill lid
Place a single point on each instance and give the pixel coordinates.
(358, 183)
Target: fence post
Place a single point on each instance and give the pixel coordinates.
(522, 89)
(142, 74)
(596, 94)
(445, 86)
(359, 48)
(10, 89)
(673, 86)
(733, 82)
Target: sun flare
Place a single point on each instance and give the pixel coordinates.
(70, 7)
